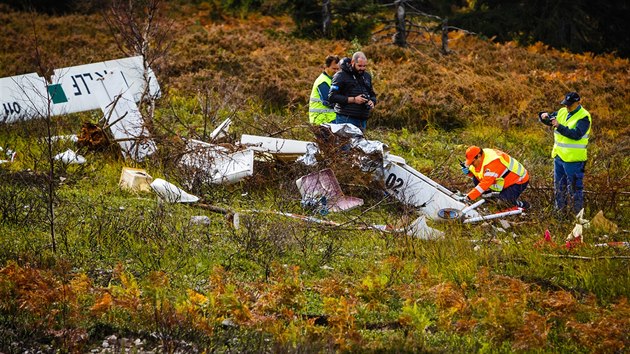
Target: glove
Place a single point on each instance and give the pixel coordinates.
(461, 197)
(545, 121)
(465, 170)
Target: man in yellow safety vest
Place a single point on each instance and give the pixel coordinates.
(320, 111)
(571, 127)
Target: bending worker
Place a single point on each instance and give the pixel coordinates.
(572, 126)
(494, 170)
(320, 111)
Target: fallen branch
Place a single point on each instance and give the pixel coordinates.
(584, 257)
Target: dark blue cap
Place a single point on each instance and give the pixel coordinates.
(570, 98)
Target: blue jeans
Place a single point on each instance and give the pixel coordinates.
(359, 123)
(567, 181)
(509, 194)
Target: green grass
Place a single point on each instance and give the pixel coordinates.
(389, 280)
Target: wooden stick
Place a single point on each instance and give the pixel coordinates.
(584, 257)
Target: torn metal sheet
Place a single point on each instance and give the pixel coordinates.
(345, 130)
(123, 117)
(419, 228)
(219, 165)
(368, 146)
(275, 146)
(233, 167)
(309, 158)
(357, 140)
(171, 193)
(71, 89)
(325, 184)
(414, 188)
(221, 130)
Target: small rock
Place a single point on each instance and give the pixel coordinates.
(505, 224)
(200, 220)
(228, 323)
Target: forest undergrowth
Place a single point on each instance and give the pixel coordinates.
(119, 262)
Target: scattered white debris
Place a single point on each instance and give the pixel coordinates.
(215, 164)
(419, 228)
(70, 157)
(135, 179)
(275, 146)
(171, 193)
(221, 130)
(72, 137)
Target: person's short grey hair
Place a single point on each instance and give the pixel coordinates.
(358, 55)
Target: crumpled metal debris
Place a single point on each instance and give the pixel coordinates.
(70, 157)
(309, 159)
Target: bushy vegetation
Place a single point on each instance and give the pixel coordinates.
(125, 264)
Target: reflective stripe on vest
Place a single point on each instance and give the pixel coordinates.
(511, 165)
(568, 149)
(318, 113)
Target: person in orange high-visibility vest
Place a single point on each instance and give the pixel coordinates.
(495, 171)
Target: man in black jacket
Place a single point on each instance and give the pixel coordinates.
(351, 91)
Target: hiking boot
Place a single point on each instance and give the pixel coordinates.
(522, 204)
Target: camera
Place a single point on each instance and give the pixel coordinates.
(367, 103)
(546, 120)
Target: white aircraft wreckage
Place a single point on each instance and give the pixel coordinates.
(113, 86)
(215, 164)
(321, 191)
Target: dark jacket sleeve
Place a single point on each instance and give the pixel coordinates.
(336, 95)
(576, 133)
(323, 90)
